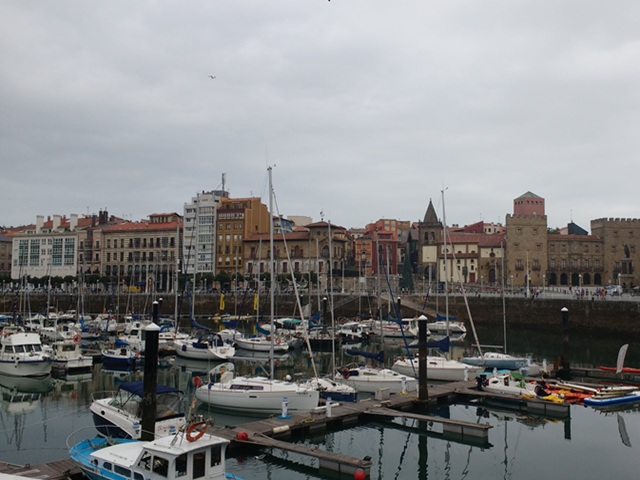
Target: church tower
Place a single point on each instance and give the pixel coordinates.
(430, 232)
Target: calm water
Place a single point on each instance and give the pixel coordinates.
(36, 417)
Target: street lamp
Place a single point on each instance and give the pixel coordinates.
(511, 284)
(544, 281)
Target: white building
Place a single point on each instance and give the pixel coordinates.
(199, 241)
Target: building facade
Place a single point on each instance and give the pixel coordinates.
(145, 255)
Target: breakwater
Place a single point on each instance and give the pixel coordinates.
(599, 316)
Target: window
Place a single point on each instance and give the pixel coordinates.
(181, 466)
(160, 466)
(518, 231)
(552, 247)
(539, 247)
(534, 231)
(199, 464)
(216, 455)
(145, 461)
(125, 472)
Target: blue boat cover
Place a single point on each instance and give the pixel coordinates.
(138, 388)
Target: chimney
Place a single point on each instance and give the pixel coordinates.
(56, 223)
(73, 221)
(39, 223)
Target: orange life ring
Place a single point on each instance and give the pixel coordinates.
(199, 428)
(77, 338)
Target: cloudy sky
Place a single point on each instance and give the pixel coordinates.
(367, 108)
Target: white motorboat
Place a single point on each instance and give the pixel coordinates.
(118, 414)
(68, 357)
(371, 379)
(254, 395)
(204, 347)
(444, 327)
(330, 389)
(191, 454)
(438, 368)
(22, 355)
(353, 332)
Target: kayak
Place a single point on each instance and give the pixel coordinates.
(598, 401)
(624, 369)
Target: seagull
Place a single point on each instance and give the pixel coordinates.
(212, 77)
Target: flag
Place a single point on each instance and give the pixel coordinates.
(222, 301)
(621, 354)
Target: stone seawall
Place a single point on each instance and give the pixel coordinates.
(612, 316)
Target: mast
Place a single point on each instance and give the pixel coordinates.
(333, 329)
(271, 273)
(446, 276)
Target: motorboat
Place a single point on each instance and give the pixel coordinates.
(204, 347)
(22, 355)
(190, 454)
(330, 389)
(352, 332)
(68, 357)
(118, 414)
(254, 395)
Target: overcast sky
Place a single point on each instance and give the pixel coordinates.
(366, 108)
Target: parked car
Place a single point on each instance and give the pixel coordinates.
(614, 290)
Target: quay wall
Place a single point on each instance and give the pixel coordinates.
(600, 316)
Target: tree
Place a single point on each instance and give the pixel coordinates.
(406, 278)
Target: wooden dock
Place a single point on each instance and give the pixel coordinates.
(271, 432)
(58, 470)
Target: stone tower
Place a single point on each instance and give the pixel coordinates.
(430, 235)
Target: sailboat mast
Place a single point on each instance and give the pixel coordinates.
(446, 276)
(271, 273)
(504, 309)
(333, 326)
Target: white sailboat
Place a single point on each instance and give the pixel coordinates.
(257, 394)
(439, 367)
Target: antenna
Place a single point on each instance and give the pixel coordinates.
(224, 180)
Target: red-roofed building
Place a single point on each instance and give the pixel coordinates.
(145, 254)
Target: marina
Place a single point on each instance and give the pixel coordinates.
(313, 443)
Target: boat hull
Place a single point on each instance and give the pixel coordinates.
(254, 401)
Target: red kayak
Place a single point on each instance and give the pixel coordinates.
(624, 369)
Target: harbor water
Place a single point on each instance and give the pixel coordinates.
(38, 415)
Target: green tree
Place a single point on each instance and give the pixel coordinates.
(406, 278)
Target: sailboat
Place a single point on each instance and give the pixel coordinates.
(439, 367)
(257, 394)
(502, 360)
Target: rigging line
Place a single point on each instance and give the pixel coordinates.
(398, 317)
(296, 293)
(466, 302)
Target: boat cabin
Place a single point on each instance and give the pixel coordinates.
(168, 458)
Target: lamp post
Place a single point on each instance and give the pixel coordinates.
(481, 281)
(342, 284)
(544, 281)
(511, 284)
(580, 281)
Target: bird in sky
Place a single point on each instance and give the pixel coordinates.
(212, 77)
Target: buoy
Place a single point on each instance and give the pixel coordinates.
(197, 381)
(199, 428)
(242, 436)
(359, 474)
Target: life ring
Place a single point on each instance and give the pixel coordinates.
(77, 338)
(199, 428)
(278, 340)
(197, 381)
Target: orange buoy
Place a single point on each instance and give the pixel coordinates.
(242, 436)
(199, 428)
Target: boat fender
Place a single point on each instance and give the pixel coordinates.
(197, 381)
(199, 428)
